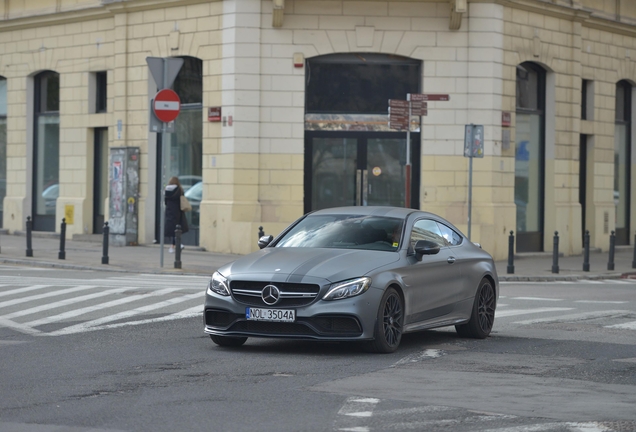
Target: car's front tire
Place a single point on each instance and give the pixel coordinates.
(389, 323)
(483, 315)
(228, 341)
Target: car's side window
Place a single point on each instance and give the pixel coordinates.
(426, 229)
(450, 235)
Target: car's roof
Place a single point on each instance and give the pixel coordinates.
(396, 212)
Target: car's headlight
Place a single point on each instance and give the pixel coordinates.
(218, 285)
(348, 288)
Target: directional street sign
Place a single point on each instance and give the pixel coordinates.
(394, 103)
(166, 105)
(428, 97)
(419, 108)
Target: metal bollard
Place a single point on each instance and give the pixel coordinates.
(511, 253)
(634, 260)
(177, 247)
(62, 253)
(261, 233)
(29, 227)
(610, 263)
(555, 253)
(105, 244)
(586, 251)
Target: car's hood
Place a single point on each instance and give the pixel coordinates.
(296, 264)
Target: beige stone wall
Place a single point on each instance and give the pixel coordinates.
(73, 50)
(253, 169)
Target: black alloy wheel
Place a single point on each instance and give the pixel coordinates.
(483, 315)
(388, 329)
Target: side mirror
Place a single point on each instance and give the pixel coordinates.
(425, 247)
(264, 241)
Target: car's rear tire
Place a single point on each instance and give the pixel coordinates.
(228, 341)
(483, 315)
(389, 323)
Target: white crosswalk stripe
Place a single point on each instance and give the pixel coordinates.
(49, 306)
(575, 282)
(359, 414)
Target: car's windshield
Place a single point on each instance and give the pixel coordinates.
(345, 231)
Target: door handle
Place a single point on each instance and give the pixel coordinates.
(451, 260)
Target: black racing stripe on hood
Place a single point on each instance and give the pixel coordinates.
(301, 271)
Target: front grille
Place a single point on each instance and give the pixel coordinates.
(321, 326)
(292, 294)
(273, 328)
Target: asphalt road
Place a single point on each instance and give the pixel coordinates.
(90, 351)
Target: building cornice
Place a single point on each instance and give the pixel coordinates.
(107, 9)
(586, 17)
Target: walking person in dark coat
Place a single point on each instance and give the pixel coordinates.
(174, 215)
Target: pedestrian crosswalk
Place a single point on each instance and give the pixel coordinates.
(515, 309)
(53, 306)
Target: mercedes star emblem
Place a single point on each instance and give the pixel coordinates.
(270, 294)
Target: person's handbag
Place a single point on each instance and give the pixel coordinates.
(185, 204)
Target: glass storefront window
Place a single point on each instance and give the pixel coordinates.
(622, 158)
(185, 145)
(359, 83)
(3, 144)
(46, 150)
(334, 169)
(527, 170)
(529, 156)
(47, 187)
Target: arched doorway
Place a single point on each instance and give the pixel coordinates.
(351, 155)
(530, 156)
(185, 145)
(46, 150)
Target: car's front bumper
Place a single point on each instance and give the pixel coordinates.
(348, 319)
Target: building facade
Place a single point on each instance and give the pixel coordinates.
(284, 111)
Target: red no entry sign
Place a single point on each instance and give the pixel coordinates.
(167, 105)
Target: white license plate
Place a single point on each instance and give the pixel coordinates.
(279, 315)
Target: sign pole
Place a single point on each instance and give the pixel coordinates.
(164, 158)
(408, 154)
(470, 193)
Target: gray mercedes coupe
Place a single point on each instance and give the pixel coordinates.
(367, 274)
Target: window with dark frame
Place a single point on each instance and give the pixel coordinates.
(584, 87)
(101, 81)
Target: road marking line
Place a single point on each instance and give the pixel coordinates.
(94, 308)
(22, 290)
(600, 302)
(536, 298)
(527, 311)
(46, 295)
(188, 313)
(19, 327)
(61, 303)
(627, 325)
(86, 326)
(577, 317)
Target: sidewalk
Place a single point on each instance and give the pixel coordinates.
(87, 255)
